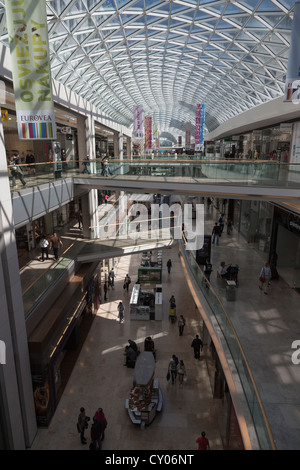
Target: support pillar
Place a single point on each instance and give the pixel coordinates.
(16, 393)
(89, 206)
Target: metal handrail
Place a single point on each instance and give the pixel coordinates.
(257, 394)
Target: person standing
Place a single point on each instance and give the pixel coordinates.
(96, 434)
(264, 278)
(86, 164)
(207, 270)
(127, 281)
(197, 345)
(16, 170)
(173, 367)
(100, 416)
(169, 266)
(181, 324)
(203, 443)
(105, 288)
(181, 372)
(216, 234)
(82, 424)
(229, 226)
(44, 244)
(56, 243)
(121, 311)
(105, 166)
(222, 222)
(112, 276)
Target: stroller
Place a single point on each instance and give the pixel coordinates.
(232, 273)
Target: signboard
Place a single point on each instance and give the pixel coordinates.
(148, 132)
(4, 115)
(28, 41)
(200, 123)
(292, 83)
(66, 130)
(188, 134)
(138, 121)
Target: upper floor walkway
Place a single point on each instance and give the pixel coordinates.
(227, 178)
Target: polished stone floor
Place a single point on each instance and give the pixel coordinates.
(266, 325)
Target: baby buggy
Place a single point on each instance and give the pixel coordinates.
(232, 273)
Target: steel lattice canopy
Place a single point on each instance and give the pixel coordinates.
(170, 55)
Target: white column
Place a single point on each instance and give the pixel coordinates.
(15, 376)
(90, 222)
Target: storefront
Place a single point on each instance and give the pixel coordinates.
(285, 243)
(56, 342)
(254, 221)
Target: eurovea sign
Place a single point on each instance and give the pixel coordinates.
(28, 40)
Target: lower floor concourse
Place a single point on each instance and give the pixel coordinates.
(99, 378)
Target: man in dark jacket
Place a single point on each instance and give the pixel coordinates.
(197, 344)
(96, 434)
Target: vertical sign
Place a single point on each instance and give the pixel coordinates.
(179, 141)
(188, 135)
(202, 125)
(198, 122)
(292, 84)
(28, 41)
(138, 121)
(148, 132)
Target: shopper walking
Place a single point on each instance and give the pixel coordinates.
(216, 232)
(264, 278)
(121, 310)
(197, 345)
(181, 325)
(127, 281)
(203, 443)
(44, 244)
(86, 164)
(173, 367)
(229, 226)
(55, 244)
(112, 276)
(181, 372)
(169, 266)
(222, 222)
(105, 289)
(16, 170)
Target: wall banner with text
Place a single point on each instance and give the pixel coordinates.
(28, 40)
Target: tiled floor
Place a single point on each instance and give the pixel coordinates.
(266, 325)
(100, 379)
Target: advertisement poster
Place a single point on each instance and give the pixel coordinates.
(138, 121)
(28, 41)
(148, 132)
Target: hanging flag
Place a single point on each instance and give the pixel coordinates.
(138, 121)
(148, 132)
(292, 83)
(200, 126)
(28, 41)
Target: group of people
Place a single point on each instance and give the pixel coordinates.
(105, 170)
(131, 353)
(54, 243)
(98, 427)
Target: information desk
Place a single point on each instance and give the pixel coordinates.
(149, 274)
(146, 302)
(145, 398)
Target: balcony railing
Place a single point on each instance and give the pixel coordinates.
(227, 172)
(253, 399)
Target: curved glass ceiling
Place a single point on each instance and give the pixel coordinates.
(170, 55)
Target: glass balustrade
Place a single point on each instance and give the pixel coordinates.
(249, 173)
(251, 393)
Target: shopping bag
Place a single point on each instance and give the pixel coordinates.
(168, 375)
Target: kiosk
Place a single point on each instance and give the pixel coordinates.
(145, 398)
(146, 302)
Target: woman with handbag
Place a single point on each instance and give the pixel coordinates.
(264, 278)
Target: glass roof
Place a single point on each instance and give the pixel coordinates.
(170, 55)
